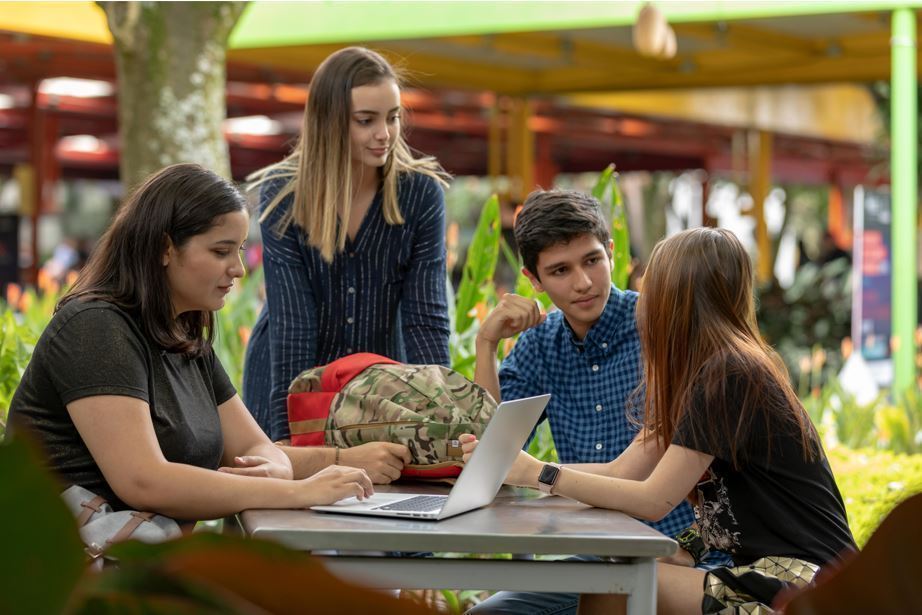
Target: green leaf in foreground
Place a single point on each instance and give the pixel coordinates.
(43, 556)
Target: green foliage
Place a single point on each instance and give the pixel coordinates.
(900, 426)
(881, 424)
(621, 257)
(17, 341)
(815, 312)
(43, 555)
(469, 305)
(477, 277)
(872, 484)
(542, 445)
(234, 323)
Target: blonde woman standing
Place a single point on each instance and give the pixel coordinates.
(354, 233)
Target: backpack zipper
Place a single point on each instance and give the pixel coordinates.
(375, 425)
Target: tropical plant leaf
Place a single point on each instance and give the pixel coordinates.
(602, 183)
(452, 600)
(479, 265)
(607, 185)
(43, 555)
(621, 268)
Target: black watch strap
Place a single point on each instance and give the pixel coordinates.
(690, 540)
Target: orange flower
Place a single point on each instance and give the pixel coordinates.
(71, 278)
(481, 311)
(13, 294)
(244, 333)
(451, 242)
(25, 302)
(895, 344)
(451, 235)
(847, 347)
(44, 280)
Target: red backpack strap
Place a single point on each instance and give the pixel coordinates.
(337, 374)
(307, 417)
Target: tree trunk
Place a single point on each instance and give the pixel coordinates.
(170, 61)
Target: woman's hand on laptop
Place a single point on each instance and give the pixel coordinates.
(335, 483)
(525, 469)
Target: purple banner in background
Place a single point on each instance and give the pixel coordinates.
(871, 304)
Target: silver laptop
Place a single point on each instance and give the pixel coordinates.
(478, 483)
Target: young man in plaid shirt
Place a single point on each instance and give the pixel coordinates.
(586, 354)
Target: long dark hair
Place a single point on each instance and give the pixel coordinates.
(126, 268)
(697, 324)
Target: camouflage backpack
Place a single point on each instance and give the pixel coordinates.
(365, 397)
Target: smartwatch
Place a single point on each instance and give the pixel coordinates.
(690, 540)
(548, 477)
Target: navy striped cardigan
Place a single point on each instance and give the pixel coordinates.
(385, 293)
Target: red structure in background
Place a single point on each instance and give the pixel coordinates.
(454, 126)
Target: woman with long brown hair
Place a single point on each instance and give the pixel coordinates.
(354, 237)
(721, 425)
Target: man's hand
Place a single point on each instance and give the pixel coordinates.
(255, 465)
(383, 461)
(512, 315)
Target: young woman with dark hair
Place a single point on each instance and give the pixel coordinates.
(722, 423)
(354, 233)
(124, 392)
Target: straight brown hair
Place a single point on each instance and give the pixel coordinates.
(319, 169)
(697, 325)
(126, 268)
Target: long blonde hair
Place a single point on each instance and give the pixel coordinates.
(319, 170)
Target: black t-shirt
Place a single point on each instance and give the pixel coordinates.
(777, 503)
(95, 348)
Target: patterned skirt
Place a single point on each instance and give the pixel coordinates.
(751, 589)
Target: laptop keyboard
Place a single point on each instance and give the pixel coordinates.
(422, 503)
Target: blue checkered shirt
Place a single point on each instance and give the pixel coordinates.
(590, 382)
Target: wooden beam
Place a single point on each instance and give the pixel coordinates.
(770, 71)
(737, 35)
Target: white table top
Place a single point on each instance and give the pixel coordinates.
(518, 521)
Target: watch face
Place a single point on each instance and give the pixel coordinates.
(548, 475)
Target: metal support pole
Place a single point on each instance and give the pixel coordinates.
(903, 164)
